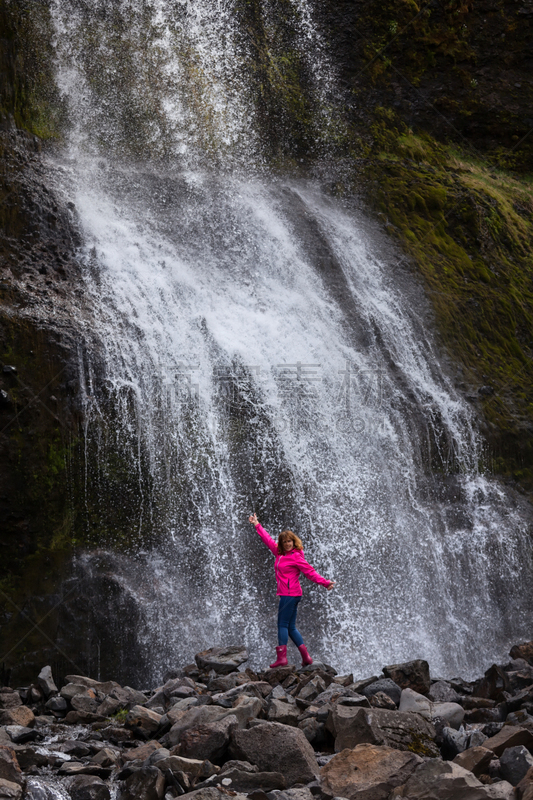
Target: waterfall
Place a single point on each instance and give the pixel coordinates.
(263, 350)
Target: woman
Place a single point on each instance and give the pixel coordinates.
(289, 563)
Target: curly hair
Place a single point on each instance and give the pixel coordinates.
(284, 537)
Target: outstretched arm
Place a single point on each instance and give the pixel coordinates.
(266, 537)
(310, 573)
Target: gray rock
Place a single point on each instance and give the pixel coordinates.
(397, 729)
(285, 713)
(20, 735)
(451, 713)
(500, 791)
(441, 780)
(88, 787)
(312, 688)
(514, 763)
(57, 705)
(128, 697)
(243, 781)
(386, 685)
(277, 748)
(416, 703)
(208, 741)
(71, 689)
(147, 783)
(243, 766)
(37, 789)
(9, 699)
(85, 703)
(140, 717)
(46, 682)
(442, 692)
(410, 675)
(454, 742)
(10, 790)
(312, 729)
(222, 659)
(476, 738)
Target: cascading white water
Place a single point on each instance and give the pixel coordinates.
(264, 353)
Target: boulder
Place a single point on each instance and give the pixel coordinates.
(411, 675)
(386, 685)
(85, 702)
(208, 741)
(443, 692)
(515, 762)
(312, 688)
(22, 715)
(222, 659)
(9, 766)
(524, 651)
(494, 683)
(57, 705)
(368, 772)
(128, 697)
(441, 780)
(451, 713)
(453, 742)
(71, 689)
(401, 730)
(9, 790)
(144, 718)
(416, 703)
(276, 748)
(509, 736)
(285, 713)
(524, 790)
(46, 682)
(313, 730)
(88, 787)
(146, 783)
(247, 708)
(475, 759)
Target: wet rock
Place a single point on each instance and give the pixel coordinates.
(276, 748)
(74, 748)
(410, 675)
(493, 684)
(222, 659)
(524, 651)
(509, 736)
(285, 713)
(106, 757)
(441, 780)
(9, 766)
(88, 787)
(10, 790)
(401, 730)
(442, 692)
(20, 735)
(381, 700)
(46, 682)
(144, 718)
(78, 768)
(368, 772)
(147, 783)
(278, 675)
(475, 759)
(22, 716)
(28, 757)
(312, 688)
(57, 705)
(385, 685)
(515, 762)
(208, 741)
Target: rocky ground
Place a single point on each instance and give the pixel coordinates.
(215, 729)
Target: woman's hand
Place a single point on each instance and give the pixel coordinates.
(331, 585)
(253, 519)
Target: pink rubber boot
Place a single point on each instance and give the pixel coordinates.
(281, 660)
(306, 658)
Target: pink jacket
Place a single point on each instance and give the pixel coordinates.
(288, 567)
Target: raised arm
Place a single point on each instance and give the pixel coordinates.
(310, 573)
(266, 537)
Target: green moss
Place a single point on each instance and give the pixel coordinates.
(469, 230)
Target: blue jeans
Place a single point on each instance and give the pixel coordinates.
(287, 610)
